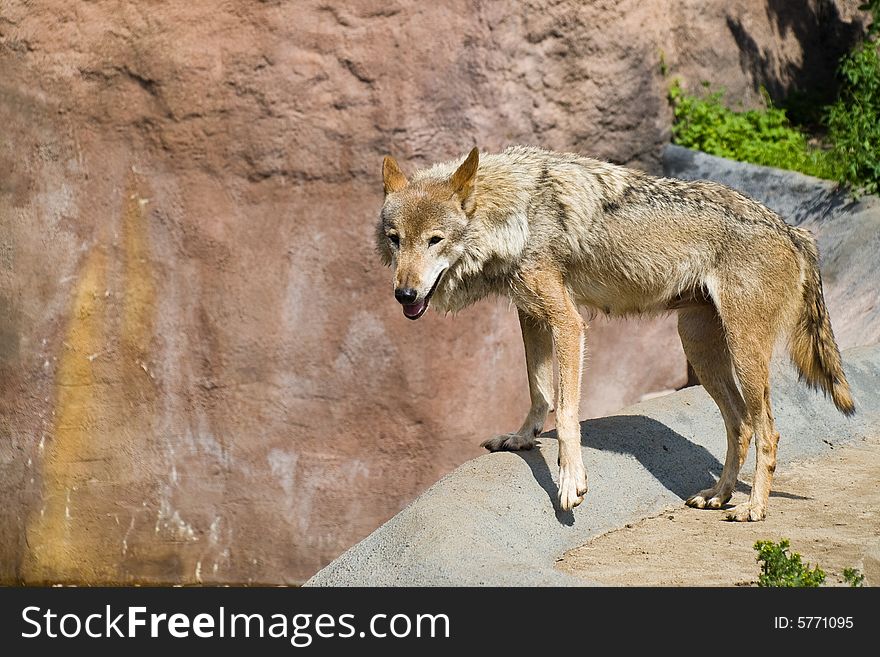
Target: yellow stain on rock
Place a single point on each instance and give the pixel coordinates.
(104, 403)
(140, 290)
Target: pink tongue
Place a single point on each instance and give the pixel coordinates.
(413, 309)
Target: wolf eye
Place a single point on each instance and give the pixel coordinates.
(395, 239)
(435, 240)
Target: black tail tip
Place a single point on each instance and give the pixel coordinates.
(848, 411)
(844, 402)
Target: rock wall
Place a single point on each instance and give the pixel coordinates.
(203, 374)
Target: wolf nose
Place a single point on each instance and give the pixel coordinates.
(405, 295)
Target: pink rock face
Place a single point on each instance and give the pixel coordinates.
(204, 376)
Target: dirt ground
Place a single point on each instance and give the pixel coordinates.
(829, 508)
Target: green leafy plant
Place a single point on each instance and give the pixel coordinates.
(762, 136)
(854, 120)
(782, 568)
(853, 577)
(766, 136)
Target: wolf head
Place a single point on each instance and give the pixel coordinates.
(422, 228)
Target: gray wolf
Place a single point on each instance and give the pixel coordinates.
(555, 231)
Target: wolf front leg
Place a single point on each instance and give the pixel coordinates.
(546, 298)
(538, 342)
(568, 336)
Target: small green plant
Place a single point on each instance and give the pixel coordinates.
(782, 568)
(664, 68)
(759, 136)
(854, 120)
(853, 577)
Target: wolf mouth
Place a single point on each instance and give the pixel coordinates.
(415, 310)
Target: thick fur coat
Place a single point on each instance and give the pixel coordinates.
(556, 231)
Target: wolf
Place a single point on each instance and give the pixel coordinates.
(553, 232)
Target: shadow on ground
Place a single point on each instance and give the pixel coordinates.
(681, 466)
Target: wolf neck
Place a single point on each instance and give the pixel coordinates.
(498, 230)
(497, 234)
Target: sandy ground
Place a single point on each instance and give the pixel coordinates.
(829, 508)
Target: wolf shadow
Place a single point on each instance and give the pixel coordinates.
(681, 466)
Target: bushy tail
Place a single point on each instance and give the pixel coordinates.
(813, 348)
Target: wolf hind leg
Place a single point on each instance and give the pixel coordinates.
(751, 332)
(538, 342)
(752, 364)
(705, 346)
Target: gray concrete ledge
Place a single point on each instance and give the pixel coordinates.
(492, 521)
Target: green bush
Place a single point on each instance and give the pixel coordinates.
(759, 136)
(767, 137)
(854, 120)
(783, 568)
(853, 577)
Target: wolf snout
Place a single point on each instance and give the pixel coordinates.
(406, 295)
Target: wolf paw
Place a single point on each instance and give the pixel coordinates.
(710, 498)
(572, 486)
(747, 512)
(509, 442)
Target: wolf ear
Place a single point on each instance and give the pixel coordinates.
(462, 181)
(392, 176)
